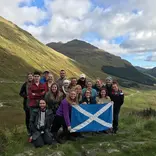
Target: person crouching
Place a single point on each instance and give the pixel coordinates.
(63, 116)
(40, 124)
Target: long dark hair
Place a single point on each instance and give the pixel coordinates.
(101, 91)
(57, 92)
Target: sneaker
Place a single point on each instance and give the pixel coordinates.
(30, 139)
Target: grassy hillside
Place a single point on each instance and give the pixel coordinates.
(95, 60)
(136, 135)
(20, 52)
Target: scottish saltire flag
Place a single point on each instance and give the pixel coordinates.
(91, 117)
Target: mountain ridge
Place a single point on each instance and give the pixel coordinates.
(98, 60)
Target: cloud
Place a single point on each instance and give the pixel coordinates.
(109, 19)
(20, 15)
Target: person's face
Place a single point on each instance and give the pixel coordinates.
(89, 85)
(74, 82)
(42, 104)
(50, 77)
(79, 90)
(115, 87)
(54, 88)
(36, 78)
(108, 82)
(62, 74)
(30, 77)
(98, 83)
(46, 75)
(103, 93)
(66, 84)
(72, 95)
(88, 94)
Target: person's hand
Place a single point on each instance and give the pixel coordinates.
(84, 103)
(74, 103)
(107, 97)
(33, 94)
(69, 128)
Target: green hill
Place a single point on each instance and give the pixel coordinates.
(20, 52)
(99, 62)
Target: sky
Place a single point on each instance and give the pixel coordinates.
(125, 28)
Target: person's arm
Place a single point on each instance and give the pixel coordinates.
(23, 91)
(66, 113)
(122, 97)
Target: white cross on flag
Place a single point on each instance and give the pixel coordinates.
(91, 117)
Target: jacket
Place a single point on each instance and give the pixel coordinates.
(39, 94)
(60, 82)
(82, 83)
(92, 100)
(64, 110)
(52, 101)
(97, 88)
(109, 90)
(117, 97)
(34, 121)
(24, 93)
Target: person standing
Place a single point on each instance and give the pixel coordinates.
(82, 81)
(87, 98)
(103, 98)
(61, 79)
(40, 124)
(73, 83)
(108, 86)
(89, 88)
(98, 85)
(44, 78)
(53, 98)
(36, 91)
(117, 97)
(65, 88)
(49, 82)
(24, 93)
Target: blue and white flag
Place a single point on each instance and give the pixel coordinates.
(91, 117)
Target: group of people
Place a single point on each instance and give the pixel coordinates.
(48, 103)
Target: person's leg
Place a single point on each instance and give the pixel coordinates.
(116, 118)
(38, 142)
(27, 120)
(55, 127)
(48, 139)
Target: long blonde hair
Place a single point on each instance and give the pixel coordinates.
(69, 99)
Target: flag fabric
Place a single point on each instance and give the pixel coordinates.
(91, 117)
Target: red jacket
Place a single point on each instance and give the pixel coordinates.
(39, 92)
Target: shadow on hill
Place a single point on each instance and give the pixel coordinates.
(13, 67)
(129, 73)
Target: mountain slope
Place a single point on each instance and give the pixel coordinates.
(98, 62)
(151, 72)
(20, 52)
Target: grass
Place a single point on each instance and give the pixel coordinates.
(136, 136)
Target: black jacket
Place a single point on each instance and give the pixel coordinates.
(109, 90)
(92, 100)
(24, 93)
(82, 83)
(34, 121)
(98, 89)
(117, 97)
